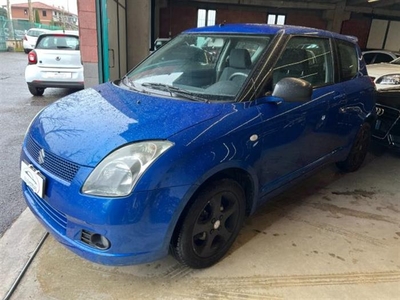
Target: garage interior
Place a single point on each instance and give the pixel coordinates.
(125, 31)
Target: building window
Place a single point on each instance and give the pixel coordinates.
(44, 13)
(25, 11)
(206, 17)
(276, 19)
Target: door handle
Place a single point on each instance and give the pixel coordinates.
(111, 51)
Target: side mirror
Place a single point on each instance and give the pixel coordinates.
(292, 89)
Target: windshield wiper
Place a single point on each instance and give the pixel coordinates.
(173, 90)
(129, 83)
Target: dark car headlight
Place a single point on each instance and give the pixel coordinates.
(117, 174)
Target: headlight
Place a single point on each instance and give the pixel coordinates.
(389, 79)
(117, 174)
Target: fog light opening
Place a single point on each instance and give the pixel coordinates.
(100, 241)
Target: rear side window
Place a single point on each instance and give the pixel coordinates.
(348, 60)
(54, 42)
(382, 57)
(369, 58)
(307, 58)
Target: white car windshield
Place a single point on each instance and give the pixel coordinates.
(396, 61)
(208, 67)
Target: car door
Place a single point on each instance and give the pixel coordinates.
(296, 135)
(348, 108)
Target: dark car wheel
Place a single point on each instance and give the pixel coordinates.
(358, 151)
(211, 224)
(36, 91)
(27, 51)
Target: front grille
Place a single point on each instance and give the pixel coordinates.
(52, 163)
(386, 121)
(57, 219)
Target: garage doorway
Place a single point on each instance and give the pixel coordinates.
(113, 37)
(384, 35)
(116, 10)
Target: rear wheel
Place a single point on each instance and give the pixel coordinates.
(211, 224)
(36, 91)
(27, 51)
(358, 151)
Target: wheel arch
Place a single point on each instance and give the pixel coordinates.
(243, 177)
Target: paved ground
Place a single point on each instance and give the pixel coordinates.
(17, 108)
(332, 237)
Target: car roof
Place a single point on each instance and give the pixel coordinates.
(395, 54)
(268, 29)
(38, 29)
(60, 33)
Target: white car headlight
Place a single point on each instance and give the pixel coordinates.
(117, 174)
(393, 79)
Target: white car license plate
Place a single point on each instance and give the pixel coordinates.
(63, 75)
(33, 178)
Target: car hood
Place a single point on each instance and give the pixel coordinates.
(85, 126)
(378, 70)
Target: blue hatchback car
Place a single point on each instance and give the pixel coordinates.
(172, 157)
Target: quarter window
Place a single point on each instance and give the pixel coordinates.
(348, 60)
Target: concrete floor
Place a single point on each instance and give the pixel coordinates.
(335, 236)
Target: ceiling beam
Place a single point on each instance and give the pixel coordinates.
(385, 3)
(277, 3)
(329, 5)
(374, 11)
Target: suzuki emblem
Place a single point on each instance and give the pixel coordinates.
(41, 157)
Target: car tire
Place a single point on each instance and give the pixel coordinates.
(36, 91)
(358, 150)
(27, 51)
(210, 225)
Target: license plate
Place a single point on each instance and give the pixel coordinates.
(33, 178)
(57, 75)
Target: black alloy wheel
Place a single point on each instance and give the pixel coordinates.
(358, 151)
(211, 224)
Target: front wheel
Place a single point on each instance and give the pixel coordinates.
(358, 151)
(36, 91)
(211, 224)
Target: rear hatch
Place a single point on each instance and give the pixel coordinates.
(58, 51)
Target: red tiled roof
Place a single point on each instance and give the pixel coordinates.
(37, 5)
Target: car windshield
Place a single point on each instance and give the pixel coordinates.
(199, 67)
(396, 61)
(35, 33)
(53, 42)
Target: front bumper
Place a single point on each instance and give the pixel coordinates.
(138, 227)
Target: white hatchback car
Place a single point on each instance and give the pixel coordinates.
(386, 75)
(55, 62)
(30, 38)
